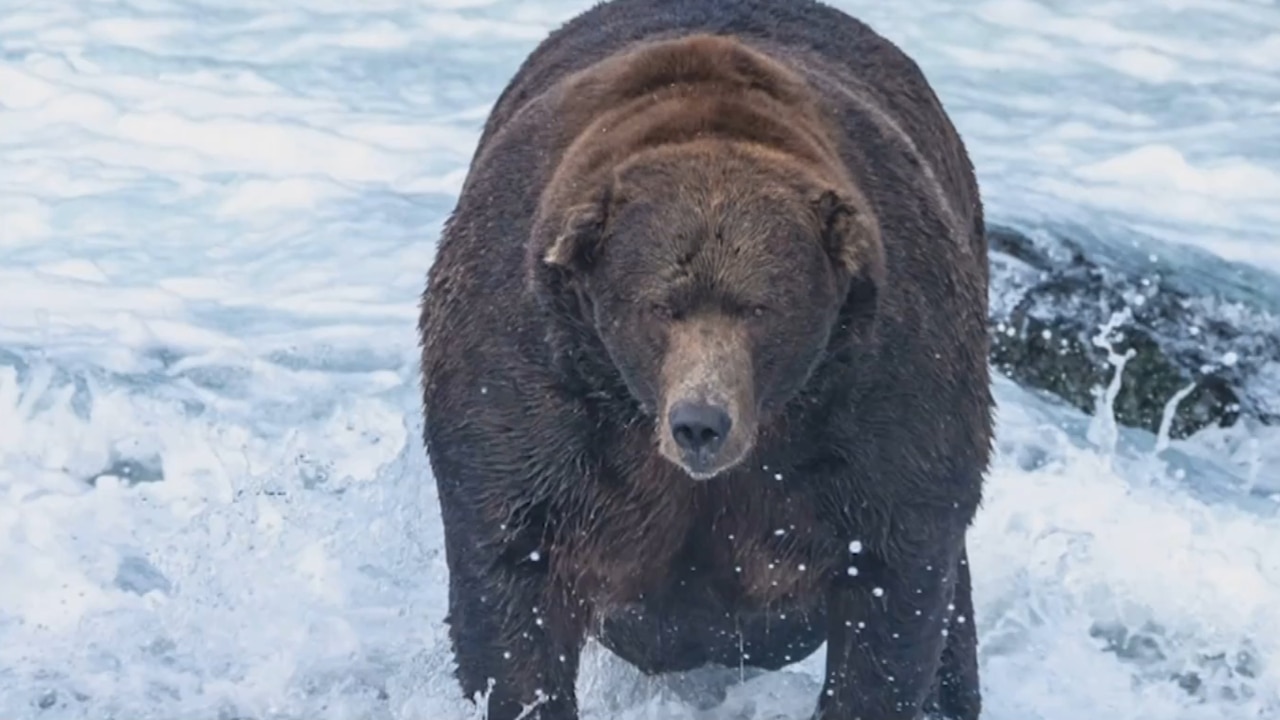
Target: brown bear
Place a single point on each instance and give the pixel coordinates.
(704, 363)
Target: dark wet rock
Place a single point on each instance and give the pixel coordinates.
(1198, 325)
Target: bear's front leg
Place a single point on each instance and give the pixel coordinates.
(958, 695)
(507, 636)
(887, 629)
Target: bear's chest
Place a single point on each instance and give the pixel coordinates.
(771, 548)
(741, 542)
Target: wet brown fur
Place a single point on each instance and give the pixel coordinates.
(802, 194)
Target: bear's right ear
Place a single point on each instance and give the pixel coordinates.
(568, 238)
(574, 245)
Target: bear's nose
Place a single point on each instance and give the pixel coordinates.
(699, 427)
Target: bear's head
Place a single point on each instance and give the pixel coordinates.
(716, 276)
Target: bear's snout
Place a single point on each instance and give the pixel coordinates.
(708, 423)
(699, 429)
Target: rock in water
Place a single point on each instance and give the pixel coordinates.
(1052, 295)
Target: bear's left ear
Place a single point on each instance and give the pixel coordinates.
(850, 235)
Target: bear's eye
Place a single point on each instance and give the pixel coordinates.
(661, 311)
(759, 311)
